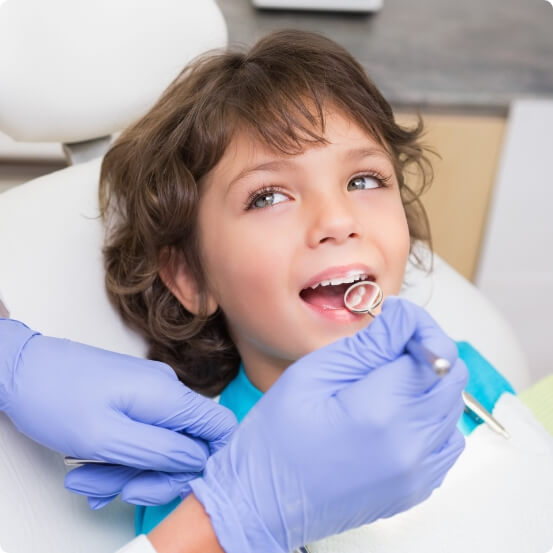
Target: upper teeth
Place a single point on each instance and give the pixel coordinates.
(342, 280)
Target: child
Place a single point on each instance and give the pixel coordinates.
(253, 174)
(243, 204)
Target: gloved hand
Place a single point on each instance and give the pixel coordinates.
(350, 433)
(91, 403)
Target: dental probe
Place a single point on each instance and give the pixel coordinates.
(476, 410)
(75, 462)
(356, 300)
(441, 367)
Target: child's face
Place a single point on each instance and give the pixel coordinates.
(273, 225)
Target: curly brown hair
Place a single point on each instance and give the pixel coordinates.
(151, 179)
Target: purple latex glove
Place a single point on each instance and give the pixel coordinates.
(102, 484)
(93, 404)
(350, 433)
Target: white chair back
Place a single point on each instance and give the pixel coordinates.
(74, 72)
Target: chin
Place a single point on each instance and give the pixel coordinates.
(340, 333)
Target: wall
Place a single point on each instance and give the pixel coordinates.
(516, 265)
(469, 147)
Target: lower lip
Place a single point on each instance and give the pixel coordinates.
(342, 315)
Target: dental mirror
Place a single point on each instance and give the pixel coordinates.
(363, 297)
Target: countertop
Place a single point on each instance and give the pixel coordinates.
(468, 55)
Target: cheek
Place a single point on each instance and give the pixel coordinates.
(404, 238)
(403, 247)
(242, 263)
(395, 245)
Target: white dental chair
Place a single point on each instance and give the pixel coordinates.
(77, 75)
(74, 72)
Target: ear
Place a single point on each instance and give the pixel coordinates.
(175, 275)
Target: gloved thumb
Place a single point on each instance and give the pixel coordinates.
(99, 481)
(97, 503)
(102, 483)
(346, 361)
(180, 409)
(386, 338)
(157, 488)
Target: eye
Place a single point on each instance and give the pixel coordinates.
(265, 198)
(366, 182)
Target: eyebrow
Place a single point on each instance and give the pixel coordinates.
(275, 165)
(360, 153)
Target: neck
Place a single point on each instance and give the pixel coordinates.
(263, 371)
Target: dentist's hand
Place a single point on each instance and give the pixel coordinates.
(93, 404)
(350, 433)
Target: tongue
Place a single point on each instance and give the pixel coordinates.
(329, 297)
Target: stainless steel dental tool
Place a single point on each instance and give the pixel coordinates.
(75, 462)
(364, 296)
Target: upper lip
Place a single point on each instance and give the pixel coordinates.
(341, 271)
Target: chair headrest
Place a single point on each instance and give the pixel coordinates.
(75, 70)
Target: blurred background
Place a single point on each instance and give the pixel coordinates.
(481, 76)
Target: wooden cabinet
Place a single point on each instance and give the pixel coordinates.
(457, 202)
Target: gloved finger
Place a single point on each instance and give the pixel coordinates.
(438, 433)
(445, 395)
(397, 392)
(437, 465)
(96, 503)
(381, 342)
(400, 320)
(186, 491)
(99, 480)
(385, 390)
(432, 473)
(148, 447)
(182, 409)
(157, 488)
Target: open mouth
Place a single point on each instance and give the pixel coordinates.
(329, 294)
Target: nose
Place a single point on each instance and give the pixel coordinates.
(332, 220)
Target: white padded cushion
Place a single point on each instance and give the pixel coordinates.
(51, 276)
(73, 70)
(51, 269)
(38, 515)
